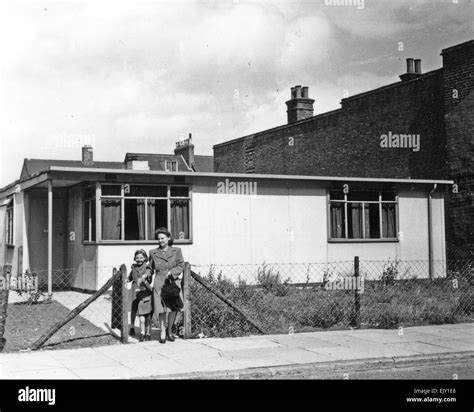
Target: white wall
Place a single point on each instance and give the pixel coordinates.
(3, 248)
(10, 254)
(288, 225)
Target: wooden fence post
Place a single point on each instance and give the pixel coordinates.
(187, 300)
(356, 320)
(124, 305)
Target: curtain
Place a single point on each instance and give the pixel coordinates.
(388, 220)
(337, 222)
(179, 219)
(141, 218)
(367, 221)
(151, 219)
(111, 219)
(356, 223)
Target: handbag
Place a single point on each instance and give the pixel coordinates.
(169, 289)
(170, 293)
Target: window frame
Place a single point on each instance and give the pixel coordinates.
(88, 201)
(172, 162)
(380, 202)
(122, 199)
(10, 223)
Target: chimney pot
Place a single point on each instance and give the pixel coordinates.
(297, 92)
(413, 70)
(87, 155)
(304, 92)
(418, 66)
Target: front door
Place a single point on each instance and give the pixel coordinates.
(38, 230)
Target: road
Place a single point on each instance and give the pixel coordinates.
(450, 370)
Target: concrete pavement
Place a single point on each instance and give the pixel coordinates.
(246, 357)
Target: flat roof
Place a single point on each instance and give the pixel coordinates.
(248, 175)
(91, 170)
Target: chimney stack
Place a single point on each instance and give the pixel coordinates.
(87, 155)
(300, 106)
(186, 149)
(413, 70)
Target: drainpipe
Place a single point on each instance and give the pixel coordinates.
(430, 234)
(50, 238)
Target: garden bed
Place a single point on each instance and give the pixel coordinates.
(286, 309)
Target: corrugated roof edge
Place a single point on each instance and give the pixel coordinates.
(250, 175)
(224, 175)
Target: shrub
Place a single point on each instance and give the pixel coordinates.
(271, 282)
(390, 273)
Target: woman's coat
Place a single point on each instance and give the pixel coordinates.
(161, 263)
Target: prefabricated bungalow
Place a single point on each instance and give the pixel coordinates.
(84, 216)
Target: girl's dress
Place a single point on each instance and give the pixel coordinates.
(144, 291)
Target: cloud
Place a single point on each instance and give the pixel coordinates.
(141, 75)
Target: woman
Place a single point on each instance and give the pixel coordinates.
(167, 263)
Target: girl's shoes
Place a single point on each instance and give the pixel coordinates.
(170, 337)
(162, 340)
(142, 337)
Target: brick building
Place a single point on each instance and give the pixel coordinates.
(418, 128)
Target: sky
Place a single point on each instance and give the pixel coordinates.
(138, 76)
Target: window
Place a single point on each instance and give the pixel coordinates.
(360, 215)
(143, 209)
(89, 214)
(171, 165)
(9, 226)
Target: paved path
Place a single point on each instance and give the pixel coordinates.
(254, 357)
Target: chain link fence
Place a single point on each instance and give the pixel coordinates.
(291, 298)
(31, 311)
(239, 300)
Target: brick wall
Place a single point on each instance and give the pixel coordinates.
(346, 142)
(458, 73)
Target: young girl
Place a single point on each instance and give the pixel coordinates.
(144, 291)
